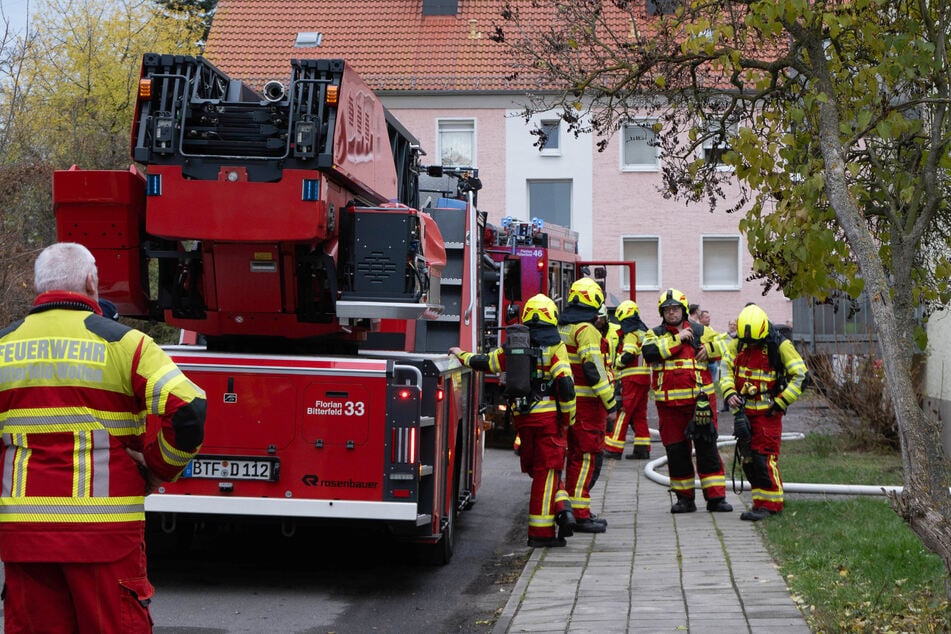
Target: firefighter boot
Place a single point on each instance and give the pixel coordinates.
(683, 505)
(719, 505)
(757, 514)
(639, 453)
(589, 525)
(565, 521)
(546, 542)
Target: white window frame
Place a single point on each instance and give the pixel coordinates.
(737, 283)
(639, 167)
(556, 125)
(656, 285)
(456, 125)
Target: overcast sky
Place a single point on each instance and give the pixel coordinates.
(16, 11)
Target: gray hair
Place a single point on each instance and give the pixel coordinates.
(64, 266)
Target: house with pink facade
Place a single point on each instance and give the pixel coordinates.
(436, 69)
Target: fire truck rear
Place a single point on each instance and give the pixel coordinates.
(283, 227)
(530, 257)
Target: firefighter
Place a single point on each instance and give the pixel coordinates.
(634, 377)
(610, 332)
(541, 424)
(762, 374)
(597, 407)
(75, 390)
(610, 338)
(686, 403)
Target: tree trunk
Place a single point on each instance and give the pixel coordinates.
(925, 502)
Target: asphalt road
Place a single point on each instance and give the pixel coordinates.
(347, 580)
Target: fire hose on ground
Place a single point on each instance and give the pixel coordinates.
(650, 470)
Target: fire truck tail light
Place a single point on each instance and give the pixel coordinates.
(403, 445)
(404, 394)
(145, 88)
(440, 394)
(333, 94)
(541, 265)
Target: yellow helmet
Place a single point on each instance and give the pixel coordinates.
(540, 309)
(626, 309)
(587, 292)
(752, 324)
(672, 297)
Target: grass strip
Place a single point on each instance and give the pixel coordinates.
(850, 562)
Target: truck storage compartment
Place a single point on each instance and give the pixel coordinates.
(105, 211)
(291, 428)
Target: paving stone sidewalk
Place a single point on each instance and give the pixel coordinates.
(652, 571)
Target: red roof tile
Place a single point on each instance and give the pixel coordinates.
(389, 42)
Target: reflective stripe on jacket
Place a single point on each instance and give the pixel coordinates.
(553, 365)
(678, 378)
(631, 345)
(583, 342)
(75, 392)
(746, 370)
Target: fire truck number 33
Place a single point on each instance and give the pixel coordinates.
(337, 408)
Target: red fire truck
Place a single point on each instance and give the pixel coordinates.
(284, 228)
(531, 257)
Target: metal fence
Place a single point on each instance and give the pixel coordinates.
(839, 326)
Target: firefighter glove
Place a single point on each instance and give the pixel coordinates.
(741, 426)
(743, 434)
(701, 426)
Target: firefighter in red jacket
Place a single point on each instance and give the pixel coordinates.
(763, 374)
(75, 391)
(595, 395)
(634, 376)
(686, 403)
(610, 340)
(541, 421)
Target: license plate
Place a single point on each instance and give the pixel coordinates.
(227, 468)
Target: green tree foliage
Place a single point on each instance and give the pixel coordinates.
(834, 118)
(25, 219)
(84, 74)
(66, 97)
(202, 9)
